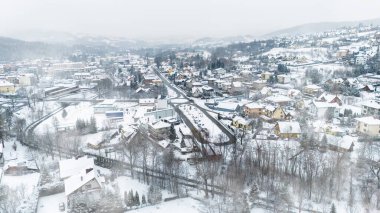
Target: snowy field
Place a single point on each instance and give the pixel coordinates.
(82, 111)
(184, 205)
(31, 114)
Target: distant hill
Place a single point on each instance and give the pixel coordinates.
(318, 27)
(13, 49)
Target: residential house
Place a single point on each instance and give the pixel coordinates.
(266, 75)
(196, 91)
(328, 98)
(278, 114)
(368, 126)
(85, 185)
(7, 87)
(312, 90)
(288, 129)
(236, 87)
(259, 84)
(283, 79)
(27, 79)
(324, 109)
(254, 109)
(371, 108)
(73, 166)
(242, 123)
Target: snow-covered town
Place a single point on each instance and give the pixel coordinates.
(285, 122)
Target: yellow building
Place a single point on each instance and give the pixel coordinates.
(242, 123)
(254, 110)
(276, 113)
(266, 75)
(7, 87)
(368, 126)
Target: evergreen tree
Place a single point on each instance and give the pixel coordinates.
(333, 210)
(172, 133)
(137, 199)
(130, 199)
(93, 128)
(143, 200)
(64, 113)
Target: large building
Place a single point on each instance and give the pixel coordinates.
(368, 126)
(371, 108)
(7, 87)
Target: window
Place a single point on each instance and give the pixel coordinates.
(88, 186)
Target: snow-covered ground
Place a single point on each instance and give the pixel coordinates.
(50, 204)
(82, 111)
(185, 205)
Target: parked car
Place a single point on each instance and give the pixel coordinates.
(62, 206)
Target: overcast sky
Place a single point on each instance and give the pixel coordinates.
(158, 19)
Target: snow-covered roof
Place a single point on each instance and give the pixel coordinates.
(146, 100)
(76, 181)
(160, 125)
(241, 120)
(320, 104)
(163, 143)
(371, 104)
(73, 166)
(4, 83)
(369, 120)
(278, 99)
(254, 105)
(289, 127)
(312, 86)
(236, 84)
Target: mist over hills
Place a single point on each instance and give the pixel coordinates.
(318, 27)
(40, 44)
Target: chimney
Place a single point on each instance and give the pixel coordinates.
(81, 178)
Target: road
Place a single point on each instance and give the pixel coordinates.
(225, 130)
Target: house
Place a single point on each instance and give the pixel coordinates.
(279, 100)
(328, 98)
(283, 79)
(266, 75)
(159, 130)
(87, 184)
(322, 109)
(207, 91)
(259, 84)
(236, 87)
(312, 90)
(73, 166)
(242, 123)
(196, 91)
(27, 79)
(371, 108)
(334, 130)
(288, 129)
(254, 109)
(7, 87)
(368, 126)
(277, 114)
